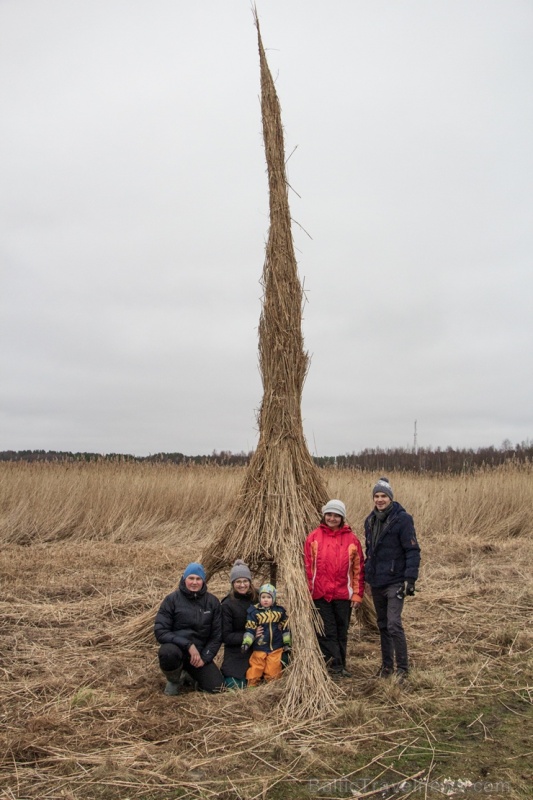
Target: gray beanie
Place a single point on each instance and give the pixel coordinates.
(384, 486)
(334, 507)
(239, 570)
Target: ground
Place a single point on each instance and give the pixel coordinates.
(83, 714)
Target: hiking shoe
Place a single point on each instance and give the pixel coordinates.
(335, 674)
(401, 675)
(173, 677)
(384, 672)
(187, 680)
(346, 673)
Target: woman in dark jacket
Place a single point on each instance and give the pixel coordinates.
(391, 569)
(188, 628)
(234, 607)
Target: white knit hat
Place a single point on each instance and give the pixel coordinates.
(334, 507)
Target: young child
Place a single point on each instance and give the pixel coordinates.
(268, 648)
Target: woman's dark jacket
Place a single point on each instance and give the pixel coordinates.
(395, 556)
(186, 618)
(234, 608)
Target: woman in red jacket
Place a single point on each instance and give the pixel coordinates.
(334, 566)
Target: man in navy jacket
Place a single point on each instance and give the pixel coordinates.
(391, 569)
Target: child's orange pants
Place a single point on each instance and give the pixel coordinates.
(264, 665)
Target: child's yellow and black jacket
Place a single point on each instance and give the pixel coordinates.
(275, 624)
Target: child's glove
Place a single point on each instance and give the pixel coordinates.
(245, 648)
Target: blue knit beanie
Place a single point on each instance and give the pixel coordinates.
(194, 568)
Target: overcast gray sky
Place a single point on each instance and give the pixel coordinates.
(134, 215)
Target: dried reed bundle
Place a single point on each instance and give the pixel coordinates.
(283, 489)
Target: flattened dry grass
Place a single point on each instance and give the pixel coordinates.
(81, 703)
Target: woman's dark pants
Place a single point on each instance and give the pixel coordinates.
(389, 613)
(208, 677)
(333, 642)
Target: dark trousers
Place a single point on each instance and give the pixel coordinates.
(335, 616)
(208, 677)
(389, 614)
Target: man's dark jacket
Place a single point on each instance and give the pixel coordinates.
(395, 556)
(186, 618)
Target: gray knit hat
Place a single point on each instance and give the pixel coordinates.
(334, 507)
(384, 486)
(240, 570)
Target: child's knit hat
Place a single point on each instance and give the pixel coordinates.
(267, 588)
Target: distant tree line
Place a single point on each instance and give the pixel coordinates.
(431, 460)
(224, 459)
(377, 459)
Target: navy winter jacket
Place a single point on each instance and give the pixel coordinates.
(275, 624)
(395, 557)
(186, 618)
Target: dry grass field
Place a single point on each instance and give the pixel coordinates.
(88, 552)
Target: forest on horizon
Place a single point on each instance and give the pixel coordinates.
(438, 460)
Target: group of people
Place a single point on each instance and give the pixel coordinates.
(192, 624)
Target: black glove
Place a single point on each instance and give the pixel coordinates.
(407, 589)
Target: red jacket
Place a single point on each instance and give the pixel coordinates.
(334, 564)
